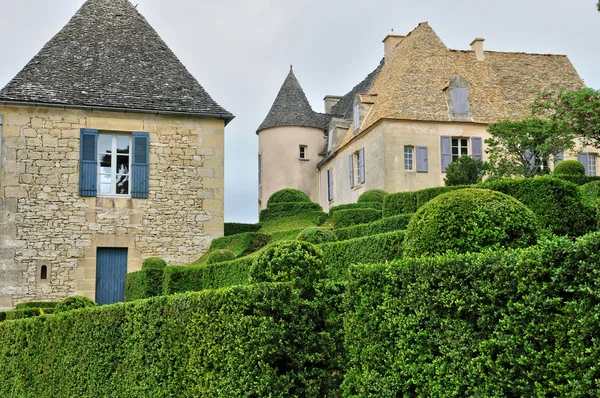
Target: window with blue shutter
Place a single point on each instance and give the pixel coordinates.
(351, 167)
(477, 148)
(559, 157)
(88, 165)
(422, 163)
(460, 100)
(361, 166)
(446, 152)
(139, 165)
(329, 184)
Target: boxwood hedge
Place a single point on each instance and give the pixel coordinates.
(288, 195)
(350, 217)
(280, 210)
(362, 205)
(373, 195)
(399, 203)
(233, 228)
(495, 324)
(386, 224)
(259, 340)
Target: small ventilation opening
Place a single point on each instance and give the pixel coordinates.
(44, 272)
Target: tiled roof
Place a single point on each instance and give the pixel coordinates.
(291, 108)
(109, 56)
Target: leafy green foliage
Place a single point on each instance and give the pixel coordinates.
(288, 195)
(297, 221)
(233, 228)
(154, 263)
(261, 340)
(400, 203)
(465, 171)
(590, 193)
(569, 167)
(75, 303)
(281, 210)
(147, 282)
(27, 312)
(219, 256)
(317, 235)
(556, 203)
(386, 224)
(425, 195)
(577, 112)
(469, 220)
(372, 196)
(575, 179)
(37, 304)
(350, 217)
(524, 148)
(497, 324)
(361, 205)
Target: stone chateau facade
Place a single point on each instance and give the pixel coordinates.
(97, 177)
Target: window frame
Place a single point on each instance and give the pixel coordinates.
(412, 158)
(453, 157)
(303, 155)
(114, 156)
(591, 166)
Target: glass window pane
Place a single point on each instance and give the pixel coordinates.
(105, 179)
(463, 151)
(105, 160)
(123, 144)
(454, 141)
(106, 170)
(122, 185)
(122, 164)
(105, 189)
(463, 142)
(455, 150)
(104, 143)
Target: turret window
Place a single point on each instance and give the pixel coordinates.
(303, 152)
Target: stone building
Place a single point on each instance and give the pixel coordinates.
(112, 152)
(398, 129)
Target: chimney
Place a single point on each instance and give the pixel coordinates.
(477, 46)
(390, 42)
(330, 101)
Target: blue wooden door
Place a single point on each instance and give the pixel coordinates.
(111, 268)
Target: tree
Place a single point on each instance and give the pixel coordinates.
(576, 111)
(464, 171)
(525, 148)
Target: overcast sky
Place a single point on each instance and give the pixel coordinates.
(240, 51)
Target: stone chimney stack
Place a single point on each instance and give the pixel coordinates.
(477, 46)
(330, 101)
(390, 42)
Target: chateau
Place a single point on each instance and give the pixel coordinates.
(112, 152)
(424, 106)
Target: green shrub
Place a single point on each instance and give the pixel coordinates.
(37, 304)
(282, 210)
(362, 205)
(290, 234)
(590, 193)
(317, 235)
(154, 263)
(219, 256)
(258, 242)
(425, 195)
(136, 286)
(350, 217)
(569, 167)
(577, 179)
(27, 313)
(372, 196)
(2, 316)
(517, 323)
(288, 195)
(400, 203)
(556, 203)
(233, 228)
(75, 303)
(469, 220)
(261, 340)
(465, 171)
(338, 256)
(386, 224)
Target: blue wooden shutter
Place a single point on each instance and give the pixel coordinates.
(88, 164)
(446, 150)
(422, 165)
(459, 100)
(559, 157)
(476, 148)
(583, 159)
(139, 165)
(351, 165)
(361, 166)
(329, 184)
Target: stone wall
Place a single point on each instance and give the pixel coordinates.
(44, 221)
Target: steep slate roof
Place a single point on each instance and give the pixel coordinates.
(109, 56)
(291, 108)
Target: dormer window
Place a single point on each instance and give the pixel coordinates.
(459, 100)
(457, 96)
(356, 117)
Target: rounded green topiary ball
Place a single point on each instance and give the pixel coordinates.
(74, 303)
(154, 263)
(219, 256)
(288, 195)
(469, 220)
(373, 196)
(569, 167)
(317, 235)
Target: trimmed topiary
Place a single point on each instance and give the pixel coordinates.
(317, 235)
(350, 217)
(373, 195)
(219, 256)
(154, 263)
(74, 303)
(400, 203)
(297, 262)
(569, 167)
(288, 195)
(469, 220)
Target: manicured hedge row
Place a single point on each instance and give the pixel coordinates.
(577, 180)
(350, 217)
(233, 228)
(37, 304)
(497, 324)
(400, 203)
(425, 195)
(278, 210)
(338, 256)
(260, 340)
(25, 313)
(237, 244)
(147, 282)
(386, 224)
(362, 205)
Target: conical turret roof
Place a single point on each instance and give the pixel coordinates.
(109, 56)
(291, 108)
